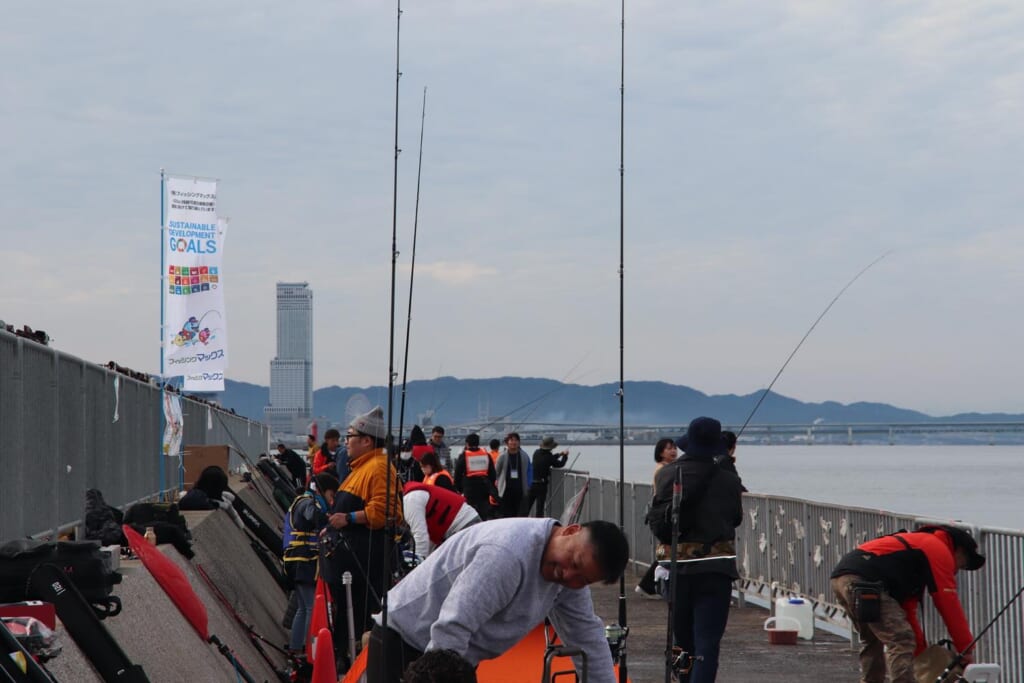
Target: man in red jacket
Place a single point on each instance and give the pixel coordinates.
(902, 565)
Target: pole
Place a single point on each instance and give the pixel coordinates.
(163, 286)
(346, 580)
(673, 578)
(412, 272)
(622, 324)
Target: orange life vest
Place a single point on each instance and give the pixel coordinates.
(432, 479)
(477, 462)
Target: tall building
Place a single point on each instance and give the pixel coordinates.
(291, 371)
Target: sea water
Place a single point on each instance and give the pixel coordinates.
(979, 485)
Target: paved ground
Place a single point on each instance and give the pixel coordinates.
(747, 655)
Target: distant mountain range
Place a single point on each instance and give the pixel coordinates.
(456, 401)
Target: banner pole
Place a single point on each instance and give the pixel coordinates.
(163, 287)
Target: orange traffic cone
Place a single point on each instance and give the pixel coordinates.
(324, 668)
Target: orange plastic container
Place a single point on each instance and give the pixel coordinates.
(782, 630)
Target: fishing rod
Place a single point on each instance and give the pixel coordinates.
(412, 270)
(804, 338)
(248, 461)
(620, 649)
(958, 659)
(388, 520)
(257, 640)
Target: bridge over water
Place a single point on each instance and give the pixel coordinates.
(815, 433)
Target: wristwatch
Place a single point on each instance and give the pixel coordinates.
(351, 518)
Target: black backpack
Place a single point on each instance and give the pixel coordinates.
(168, 524)
(85, 563)
(659, 516)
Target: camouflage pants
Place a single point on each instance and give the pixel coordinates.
(890, 640)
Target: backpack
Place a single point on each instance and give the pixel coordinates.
(655, 519)
(659, 516)
(86, 564)
(168, 524)
(102, 521)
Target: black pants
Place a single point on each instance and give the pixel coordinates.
(511, 504)
(699, 617)
(538, 495)
(389, 669)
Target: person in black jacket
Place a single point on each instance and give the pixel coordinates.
(294, 463)
(710, 509)
(543, 461)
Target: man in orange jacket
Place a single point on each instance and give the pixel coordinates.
(901, 566)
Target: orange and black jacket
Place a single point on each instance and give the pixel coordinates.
(906, 564)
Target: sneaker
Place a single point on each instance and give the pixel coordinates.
(645, 595)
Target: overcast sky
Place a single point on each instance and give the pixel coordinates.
(772, 150)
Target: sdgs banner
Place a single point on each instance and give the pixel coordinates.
(195, 328)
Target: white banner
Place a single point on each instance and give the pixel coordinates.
(195, 327)
(175, 424)
(204, 382)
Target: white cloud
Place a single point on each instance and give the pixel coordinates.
(456, 272)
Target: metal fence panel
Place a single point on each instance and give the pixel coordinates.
(789, 546)
(64, 428)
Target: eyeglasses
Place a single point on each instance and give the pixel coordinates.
(353, 436)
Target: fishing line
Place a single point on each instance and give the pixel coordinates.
(412, 270)
(538, 403)
(804, 338)
(568, 469)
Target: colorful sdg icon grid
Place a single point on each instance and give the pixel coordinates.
(192, 279)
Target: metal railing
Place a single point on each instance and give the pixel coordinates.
(59, 436)
(789, 546)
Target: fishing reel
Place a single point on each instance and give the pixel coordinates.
(680, 662)
(616, 636)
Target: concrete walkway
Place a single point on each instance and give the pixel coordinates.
(747, 656)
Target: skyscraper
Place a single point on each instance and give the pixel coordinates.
(291, 371)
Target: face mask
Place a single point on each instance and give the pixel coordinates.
(405, 455)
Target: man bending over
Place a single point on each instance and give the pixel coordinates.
(491, 584)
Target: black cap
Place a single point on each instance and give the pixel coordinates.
(961, 539)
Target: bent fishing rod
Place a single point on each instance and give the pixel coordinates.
(412, 271)
(804, 338)
(958, 659)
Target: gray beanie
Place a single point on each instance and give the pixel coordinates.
(372, 423)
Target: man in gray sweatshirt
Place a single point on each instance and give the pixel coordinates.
(486, 587)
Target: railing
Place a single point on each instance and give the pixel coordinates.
(59, 436)
(789, 546)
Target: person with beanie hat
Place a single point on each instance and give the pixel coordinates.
(408, 464)
(364, 516)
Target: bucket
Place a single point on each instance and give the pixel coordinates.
(799, 609)
(782, 630)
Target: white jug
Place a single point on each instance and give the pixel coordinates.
(799, 609)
